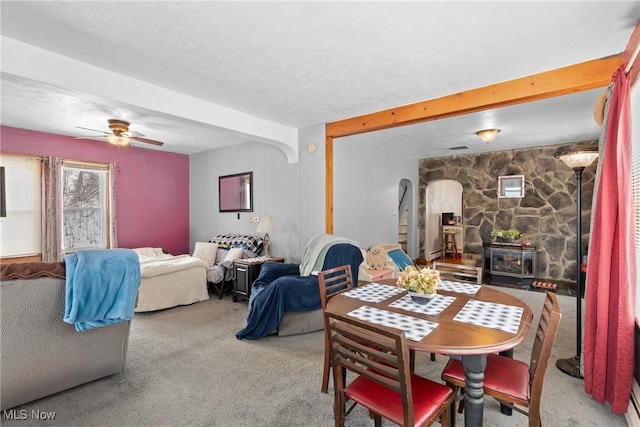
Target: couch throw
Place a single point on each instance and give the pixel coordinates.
(280, 288)
(101, 287)
(316, 250)
(32, 270)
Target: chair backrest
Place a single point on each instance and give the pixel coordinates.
(334, 281)
(375, 353)
(545, 336)
(459, 272)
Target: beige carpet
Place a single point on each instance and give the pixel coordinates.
(186, 368)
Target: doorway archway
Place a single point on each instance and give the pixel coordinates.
(407, 218)
(441, 196)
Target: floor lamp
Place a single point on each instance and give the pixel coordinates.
(577, 160)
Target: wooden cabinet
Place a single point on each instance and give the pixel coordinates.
(509, 264)
(245, 272)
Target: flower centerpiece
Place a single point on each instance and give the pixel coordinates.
(505, 236)
(421, 283)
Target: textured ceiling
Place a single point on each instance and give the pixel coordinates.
(297, 64)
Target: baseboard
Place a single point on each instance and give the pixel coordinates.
(633, 412)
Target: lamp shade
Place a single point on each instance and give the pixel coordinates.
(266, 225)
(577, 158)
(487, 135)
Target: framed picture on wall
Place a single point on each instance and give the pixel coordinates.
(511, 186)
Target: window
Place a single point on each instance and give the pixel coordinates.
(20, 229)
(635, 177)
(85, 206)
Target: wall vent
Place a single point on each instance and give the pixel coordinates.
(459, 147)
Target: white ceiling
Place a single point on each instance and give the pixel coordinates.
(219, 73)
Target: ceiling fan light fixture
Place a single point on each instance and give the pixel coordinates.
(119, 140)
(487, 135)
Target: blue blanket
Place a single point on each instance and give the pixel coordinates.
(280, 288)
(101, 287)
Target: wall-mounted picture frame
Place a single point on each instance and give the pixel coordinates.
(511, 186)
(235, 192)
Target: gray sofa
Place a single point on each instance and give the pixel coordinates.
(41, 354)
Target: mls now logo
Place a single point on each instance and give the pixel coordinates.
(23, 414)
(14, 414)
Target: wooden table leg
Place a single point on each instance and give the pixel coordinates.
(474, 366)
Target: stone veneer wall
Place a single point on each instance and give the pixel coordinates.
(546, 216)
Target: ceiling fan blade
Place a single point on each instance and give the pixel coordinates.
(146, 140)
(94, 138)
(134, 134)
(94, 130)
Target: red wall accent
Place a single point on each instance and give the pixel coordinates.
(152, 187)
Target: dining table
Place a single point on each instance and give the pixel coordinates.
(464, 320)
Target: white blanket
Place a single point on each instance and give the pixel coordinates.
(157, 265)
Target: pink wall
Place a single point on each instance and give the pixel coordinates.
(152, 187)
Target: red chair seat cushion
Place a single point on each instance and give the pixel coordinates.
(428, 397)
(507, 376)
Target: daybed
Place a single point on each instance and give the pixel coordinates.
(285, 298)
(40, 353)
(169, 281)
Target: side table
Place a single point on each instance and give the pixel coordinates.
(245, 272)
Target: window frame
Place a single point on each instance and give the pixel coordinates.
(105, 197)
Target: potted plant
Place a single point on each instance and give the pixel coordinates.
(505, 236)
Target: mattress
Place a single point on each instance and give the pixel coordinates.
(172, 289)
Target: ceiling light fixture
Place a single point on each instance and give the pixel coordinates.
(119, 140)
(487, 135)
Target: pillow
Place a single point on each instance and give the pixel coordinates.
(401, 259)
(232, 255)
(206, 252)
(149, 252)
(377, 258)
(221, 254)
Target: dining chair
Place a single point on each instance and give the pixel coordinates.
(513, 382)
(331, 283)
(384, 383)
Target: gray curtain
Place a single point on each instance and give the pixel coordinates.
(52, 209)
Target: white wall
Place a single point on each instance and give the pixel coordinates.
(276, 191)
(365, 196)
(366, 179)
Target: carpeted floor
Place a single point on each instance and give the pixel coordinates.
(186, 368)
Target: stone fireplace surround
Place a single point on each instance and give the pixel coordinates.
(546, 216)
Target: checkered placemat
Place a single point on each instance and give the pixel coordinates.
(458, 287)
(432, 308)
(491, 315)
(415, 329)
(373, 292)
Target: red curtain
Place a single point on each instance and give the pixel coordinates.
(611, 287)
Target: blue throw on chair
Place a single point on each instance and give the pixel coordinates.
(280, 288)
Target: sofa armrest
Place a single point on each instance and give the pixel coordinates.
(40, 353)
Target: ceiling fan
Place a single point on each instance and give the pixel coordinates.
(120, 134)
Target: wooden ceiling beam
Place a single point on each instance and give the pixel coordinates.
(574, 78)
